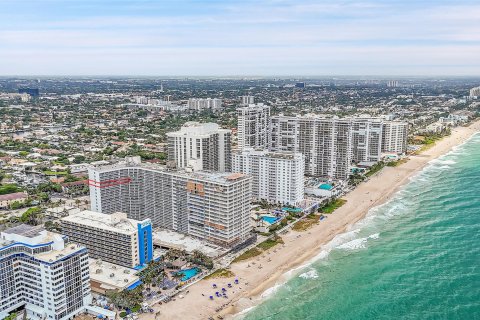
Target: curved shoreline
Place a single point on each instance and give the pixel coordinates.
(257, 275)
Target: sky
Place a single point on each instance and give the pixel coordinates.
(239, 38)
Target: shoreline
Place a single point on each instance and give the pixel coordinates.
(260, 275)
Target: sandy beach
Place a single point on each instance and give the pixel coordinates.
(259, 275)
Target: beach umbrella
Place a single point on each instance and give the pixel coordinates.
(211, 297)
(223, 289)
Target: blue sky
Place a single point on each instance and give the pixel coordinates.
(276, 37)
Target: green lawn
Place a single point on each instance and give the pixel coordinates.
(55, 173)
(220, 273)
(248, 254)
(306, 223)
(397, 163)
(269, 243)
(337, 203)
(375, 168)
(9, 188)
(259, 249)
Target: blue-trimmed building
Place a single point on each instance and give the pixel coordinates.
(112, 237)
(43, 273)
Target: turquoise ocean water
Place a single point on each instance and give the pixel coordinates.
(415, 257)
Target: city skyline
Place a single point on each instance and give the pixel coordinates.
(217, 38)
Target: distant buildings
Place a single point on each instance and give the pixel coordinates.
(253, 126)
(200, 146)
(247, 100)
(111, 237)
(44, 273)
(300, 85)
(277, 176)
(202, 104)
(475, 92)
(392, 84)
(210, 206)
(30, 91)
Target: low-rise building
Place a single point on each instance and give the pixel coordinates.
(7, 199)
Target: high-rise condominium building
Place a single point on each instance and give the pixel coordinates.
(394, 137)
(200, 146)
(277, 176)
(326, 143)
(43, 273)
(202, 104)
(253, 126)
(111, 237)
(247, 100)
(367, 139)
(475, 92)
(213, 206)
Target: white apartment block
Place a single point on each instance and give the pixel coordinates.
(475, 92)
(278, 177)
(247, 100)
(253, 126)
(394, 137)
(202, 104)
(212, 206)
(200, 146)
(326, 143)
(111, 237)
(367, 139)
(43, 273)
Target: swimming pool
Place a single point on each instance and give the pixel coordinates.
(270, 220)
(325, 186)
(189, 273)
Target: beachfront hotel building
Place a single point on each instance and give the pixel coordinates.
(326, 143)
(213, 206)
(394, 137)
(367, 139)
(277, 176)
(111, 237)
(200, 146)
(253, 126)
(44, 273)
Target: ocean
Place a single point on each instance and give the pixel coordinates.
(415, 257)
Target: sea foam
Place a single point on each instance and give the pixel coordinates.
(312, 274)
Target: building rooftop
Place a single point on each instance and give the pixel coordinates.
(171, 239)
(194, 128)
(116, 222)
(26, 230)
(37, 236)
(13, 196)
(109, 276)
(206, 176)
